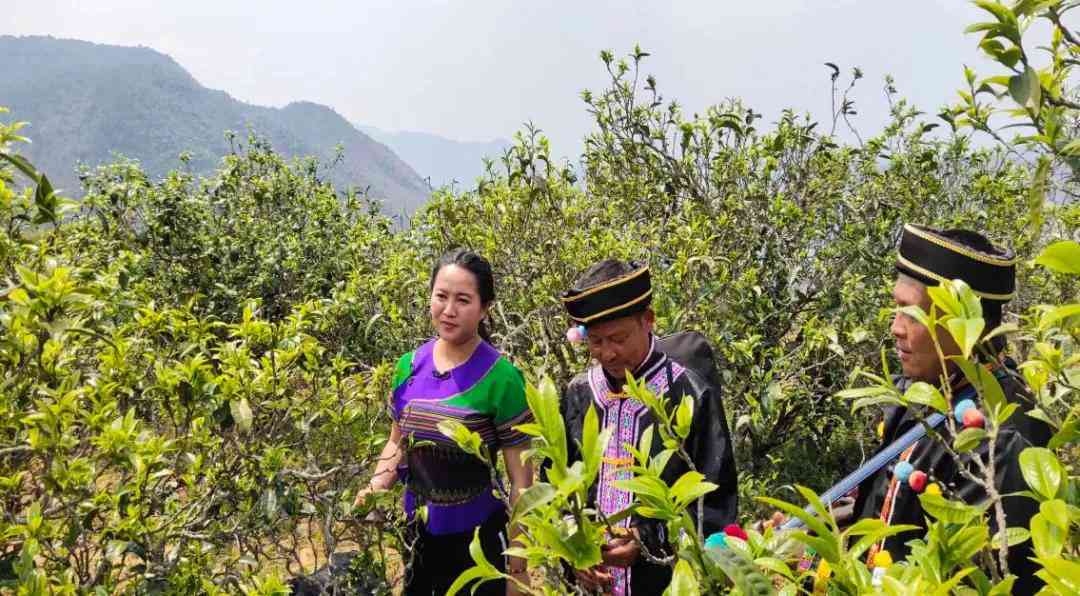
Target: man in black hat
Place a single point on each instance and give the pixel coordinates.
(928, 257)
(609, 306)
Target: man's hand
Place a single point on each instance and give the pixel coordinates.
(775, 521)
(843, 511)
(521, 575)
(621, 551)
(594, 580)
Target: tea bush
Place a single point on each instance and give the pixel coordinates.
(193, 371)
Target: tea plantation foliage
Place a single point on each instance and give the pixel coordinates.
(194, 371)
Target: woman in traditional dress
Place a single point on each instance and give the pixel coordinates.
(456, 376)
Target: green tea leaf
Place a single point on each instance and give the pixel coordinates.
(684, 415)
(1013, 536)
(1056, 512)
(1047, 538)
(241, 413)
(683, 581)
(1062, 256)
(966, 333)
(942, 509)
(945, 299)
(1051, 316)
(536, 495)
(1042, 471)
(968, 439)
(1061, 574)
(926, 394)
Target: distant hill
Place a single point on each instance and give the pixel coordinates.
(87, 101)
(440, 159)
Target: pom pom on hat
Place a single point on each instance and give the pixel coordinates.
(576, 334)
(882, 559)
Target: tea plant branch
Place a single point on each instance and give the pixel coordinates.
(986, 482)
(643, 549)
(16, 449)
(1062, 102)
(311, 476)
(1055, 17)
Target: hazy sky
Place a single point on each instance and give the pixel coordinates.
(477, 69)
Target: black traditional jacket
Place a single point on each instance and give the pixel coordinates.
(709, 446)
(897, 503)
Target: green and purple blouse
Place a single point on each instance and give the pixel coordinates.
(486, 393)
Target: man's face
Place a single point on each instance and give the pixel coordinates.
(918, 358)
(621, 345)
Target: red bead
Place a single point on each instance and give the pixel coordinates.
(973, 418)
(917, 481)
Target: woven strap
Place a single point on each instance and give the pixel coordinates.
(879, 461)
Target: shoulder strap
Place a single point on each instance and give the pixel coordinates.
(880, 460)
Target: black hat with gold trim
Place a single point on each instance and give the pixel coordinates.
(621, 296)
(933, 256)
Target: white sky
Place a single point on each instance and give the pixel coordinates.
(478, 69)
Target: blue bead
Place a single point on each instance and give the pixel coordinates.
(902, 470)
(963, 406)
(717, 540)
(584, 332)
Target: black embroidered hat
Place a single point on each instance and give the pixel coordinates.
(933, 256)
(621, 296)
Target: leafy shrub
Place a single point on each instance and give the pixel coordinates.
(193, 371)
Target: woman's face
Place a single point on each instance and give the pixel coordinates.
(456, 308)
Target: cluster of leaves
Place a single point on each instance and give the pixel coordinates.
(193, 371)
(156, 437)
(1039, 96)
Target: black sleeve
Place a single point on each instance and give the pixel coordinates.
(1018, 509)
(709, 446)
(870, 493)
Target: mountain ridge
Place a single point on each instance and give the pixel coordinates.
(87, 102)
(440, 160)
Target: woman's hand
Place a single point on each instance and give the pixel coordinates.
(363, 494)
(843, 511)
(521, 476)
(775, 521)
(385, 474)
